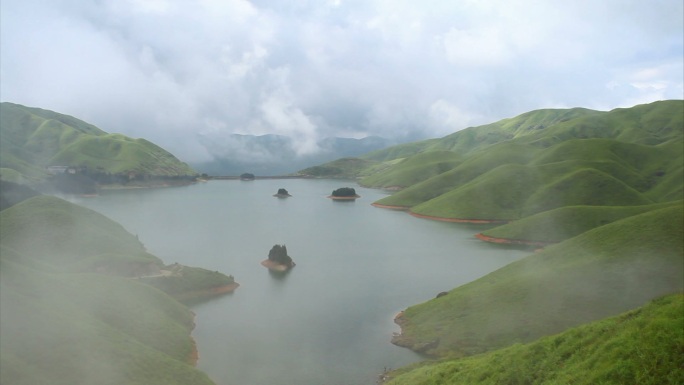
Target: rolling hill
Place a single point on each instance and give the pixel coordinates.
(82, 302)
(602, 192)
(642, 346)
(33, 139)
(599, 273)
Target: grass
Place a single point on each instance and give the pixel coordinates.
(33, 139)
(563, 223)
(341, 168)
(189, 281)
(82, 329)
(643, 346)
(577, 172)
(117, 154)
(600, 273)
(414, 169)
(70, 315)
(37, 227)
(635, 153)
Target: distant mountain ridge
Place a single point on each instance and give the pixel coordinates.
(269, 155)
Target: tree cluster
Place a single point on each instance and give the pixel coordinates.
(279, 255)
(344, 192)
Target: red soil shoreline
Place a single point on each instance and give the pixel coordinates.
(276, 266)
(441, 219)
(400, 208)
(508, 241)
(344, 198)
(206, 293)
(194, 353)
(457, 220)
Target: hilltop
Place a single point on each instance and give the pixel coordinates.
(38, 145)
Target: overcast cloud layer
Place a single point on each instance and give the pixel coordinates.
(172, 70)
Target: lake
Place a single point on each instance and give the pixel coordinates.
(328, 321)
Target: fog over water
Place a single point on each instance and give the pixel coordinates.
(329, 320)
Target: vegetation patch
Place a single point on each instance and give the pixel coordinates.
(600, 273)
(641, 346)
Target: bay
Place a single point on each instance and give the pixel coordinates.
(328, 321)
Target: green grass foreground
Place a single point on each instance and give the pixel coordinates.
(642, 346)
(601, 273)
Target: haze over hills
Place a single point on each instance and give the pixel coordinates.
(34, 140)
(83, 302)
(269, 155)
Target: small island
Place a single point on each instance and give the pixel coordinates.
(344, 193)
(278, 260)
(282, 193)
(247, 176)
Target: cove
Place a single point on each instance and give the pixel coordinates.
(329, 320)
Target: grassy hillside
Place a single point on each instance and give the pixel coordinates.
(345, 168)
(415, 169)
(86, 329)
(600, 273)
(557, 225)
(643, 346)
(564, 164)
(608, 187)
(82, 301)
(33, 139)
(36, 229)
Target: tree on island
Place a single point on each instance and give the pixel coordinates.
(344, 192)
(247, 176)
(278, 254)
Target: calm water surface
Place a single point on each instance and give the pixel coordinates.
(329, 320)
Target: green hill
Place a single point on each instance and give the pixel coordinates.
(600, 273)
(643, 346)
(82, 302)
(34, 139)
(607, 187)
(557, 225)
(37, 227)
(622, 157)
(91, 329)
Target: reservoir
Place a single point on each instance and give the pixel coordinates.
(329, 321)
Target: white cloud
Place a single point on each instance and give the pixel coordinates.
(168, 70)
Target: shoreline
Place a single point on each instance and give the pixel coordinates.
(207, 293)
(274, 266)
(344, 198)
(508, 241)
(458, 220)
(390, 207)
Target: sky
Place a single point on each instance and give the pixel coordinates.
(177, 72)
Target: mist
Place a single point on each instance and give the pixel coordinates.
(175, 72)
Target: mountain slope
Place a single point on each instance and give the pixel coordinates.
(602, 272)
(579, 161)
(82, 302)
(33, 139)
(642, 346)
